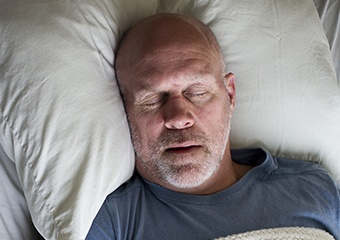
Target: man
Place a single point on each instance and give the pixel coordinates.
(188, 184)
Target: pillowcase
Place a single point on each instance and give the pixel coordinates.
(62, 119)
(328, 11)
(63, 123)
(287, 97)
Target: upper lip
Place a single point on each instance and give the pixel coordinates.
(183, 145)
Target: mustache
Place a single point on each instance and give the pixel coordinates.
(181, 136)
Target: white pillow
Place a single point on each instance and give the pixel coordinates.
(329, 13)
(287, 97)
(63, 123)
(61, 116)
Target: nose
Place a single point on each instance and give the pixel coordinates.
(177, 114)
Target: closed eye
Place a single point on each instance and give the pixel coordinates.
(198, 94)
(151, 104)
(153, 100)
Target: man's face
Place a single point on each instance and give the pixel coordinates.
(179, 104)
(179, 112)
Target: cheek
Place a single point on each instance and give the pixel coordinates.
(147, 126)
(212, 113)
(214, 118)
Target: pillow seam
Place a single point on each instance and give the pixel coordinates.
(32, 176)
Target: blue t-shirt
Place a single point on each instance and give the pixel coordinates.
(276, 193)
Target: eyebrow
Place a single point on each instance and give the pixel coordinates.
(147, 89)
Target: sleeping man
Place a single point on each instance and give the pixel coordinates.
(188, 184)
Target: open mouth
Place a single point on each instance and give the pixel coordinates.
(184, 149)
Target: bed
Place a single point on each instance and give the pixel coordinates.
(64, 138)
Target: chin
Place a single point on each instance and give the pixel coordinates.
(189, 177)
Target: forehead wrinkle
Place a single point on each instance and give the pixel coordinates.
(177, 65)
(169, 56)
(152, 76)
(198, 79)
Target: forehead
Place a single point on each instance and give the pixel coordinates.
(169, 82)
(181, 61)
(170, 69)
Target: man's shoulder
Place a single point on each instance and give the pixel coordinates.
(275, 167)
(133, 186)
(298, 167)
(300, 171)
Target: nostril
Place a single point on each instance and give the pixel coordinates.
(179, 121)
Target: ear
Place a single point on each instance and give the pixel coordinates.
(231, 89)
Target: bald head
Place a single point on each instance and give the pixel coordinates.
(162, 37)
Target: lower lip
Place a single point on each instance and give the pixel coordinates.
(183, 150)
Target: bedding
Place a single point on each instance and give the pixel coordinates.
(289, 233)
(329, 12)
(63, 126)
